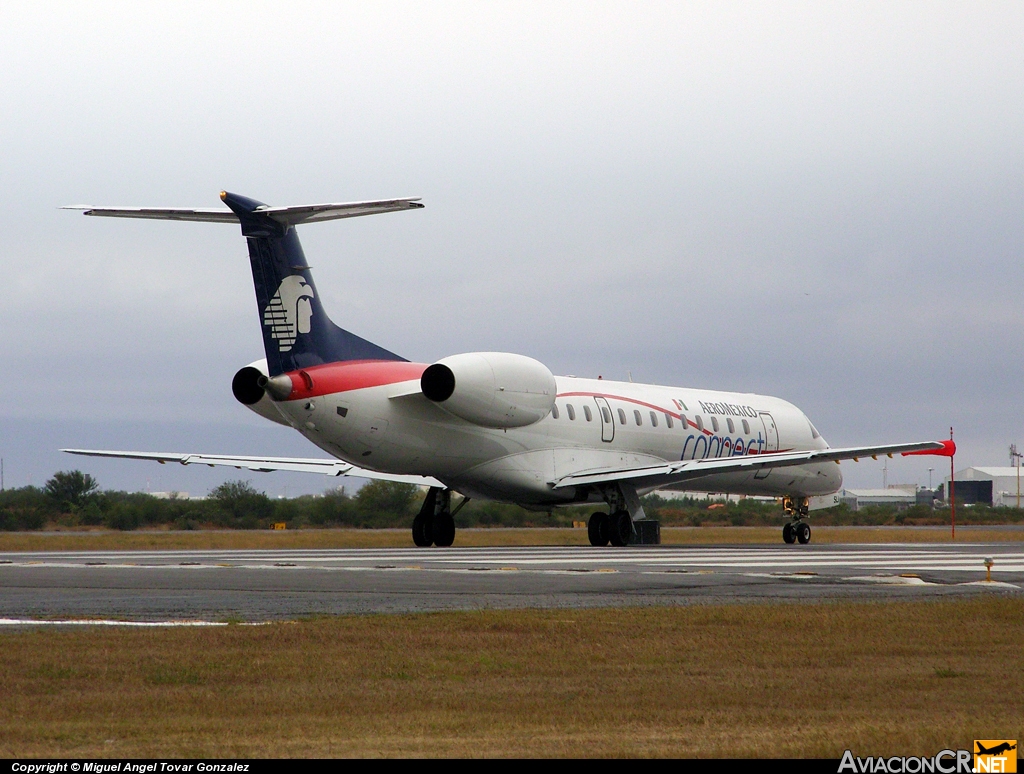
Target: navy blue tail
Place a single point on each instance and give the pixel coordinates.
(297, 333)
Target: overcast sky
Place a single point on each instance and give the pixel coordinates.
(817, 201)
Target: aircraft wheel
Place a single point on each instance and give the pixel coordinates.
(423, 530)
(444, 530)
(789, 534)
(597, 529)
(620, 528)
(803, 532)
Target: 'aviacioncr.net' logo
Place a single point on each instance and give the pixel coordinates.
(289, 311)
(995, 755)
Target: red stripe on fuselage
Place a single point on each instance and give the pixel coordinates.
(351, 375)
(618, 397)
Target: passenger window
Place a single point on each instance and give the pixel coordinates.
(683, 422)
(622, 417)
(607, 415)
(700, 423)
(587, 414)
(732, 427)
(668, 421)
(554, 411)
(654, 419)
(570, 411)
(746, 427)
(636, 416)
(714, 423)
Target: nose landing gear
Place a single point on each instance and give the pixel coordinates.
(797, 530)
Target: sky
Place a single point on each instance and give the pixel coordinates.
(819, 201)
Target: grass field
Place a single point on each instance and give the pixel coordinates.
(110, 540)
(733, 680)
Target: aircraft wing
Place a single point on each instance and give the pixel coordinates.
(677, 472)
(264, 464)
(304, 213)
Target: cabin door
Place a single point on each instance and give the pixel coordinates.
(771, 440)
(607, 420)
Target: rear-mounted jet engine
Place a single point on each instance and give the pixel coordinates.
(491, 389)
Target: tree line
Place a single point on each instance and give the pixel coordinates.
(74, 499)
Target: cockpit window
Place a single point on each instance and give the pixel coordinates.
(814, 430)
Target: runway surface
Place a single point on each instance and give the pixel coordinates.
(275, 584)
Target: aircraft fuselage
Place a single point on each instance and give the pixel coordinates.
(374, 415)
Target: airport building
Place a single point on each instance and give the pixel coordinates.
(996, 486)
(899, 495)
(175, 496)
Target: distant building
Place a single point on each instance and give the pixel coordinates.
(718, 497)
(902, 496)
(989, 486)
(174, 496)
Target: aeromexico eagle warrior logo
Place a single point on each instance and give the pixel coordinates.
(289, 311)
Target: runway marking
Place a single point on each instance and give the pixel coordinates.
(894, 580)
(109, 622)
(537, 555)
(906, 557)
(991, 584)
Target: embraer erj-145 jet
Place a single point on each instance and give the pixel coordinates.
(491, 424)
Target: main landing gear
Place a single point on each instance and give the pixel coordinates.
(797, 530)
(616, 527)
(435, 523)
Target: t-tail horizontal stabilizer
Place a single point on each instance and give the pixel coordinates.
(288, 216)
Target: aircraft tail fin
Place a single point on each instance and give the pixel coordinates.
(297, 333)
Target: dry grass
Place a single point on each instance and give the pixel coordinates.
(754, 680)
(102, 540)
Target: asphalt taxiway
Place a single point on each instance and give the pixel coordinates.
(257, 585)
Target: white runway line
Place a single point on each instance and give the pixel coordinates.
(892, 580)
(967, 558)
(109, 622)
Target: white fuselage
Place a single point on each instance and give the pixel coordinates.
(596, 424)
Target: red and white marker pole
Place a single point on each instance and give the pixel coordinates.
(952, 499)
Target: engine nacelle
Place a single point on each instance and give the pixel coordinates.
(492, 389)
(249, 389)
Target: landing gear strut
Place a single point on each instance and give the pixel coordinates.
(797, 530)
(435, 523)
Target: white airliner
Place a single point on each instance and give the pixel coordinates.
(495, 425)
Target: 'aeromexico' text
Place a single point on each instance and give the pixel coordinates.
(727, 409)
